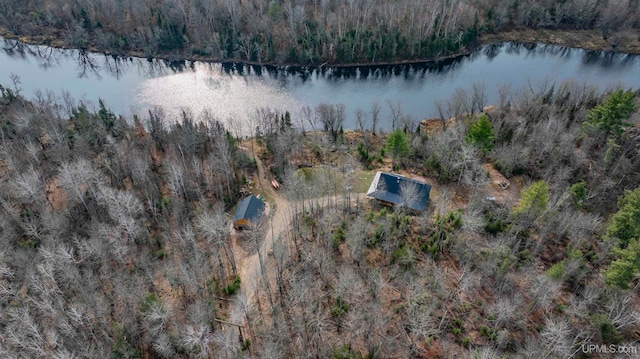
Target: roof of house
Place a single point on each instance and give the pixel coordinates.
(250, 208)
(399, 190)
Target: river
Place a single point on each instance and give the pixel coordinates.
(232, 91)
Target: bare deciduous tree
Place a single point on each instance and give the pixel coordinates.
(79, 177)
(559, 339)
(361, 120)
(396, 113)
(214, 227)
(375, 116)
(479, 96)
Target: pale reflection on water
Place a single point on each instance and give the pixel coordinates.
(208, 87)
(233, 94)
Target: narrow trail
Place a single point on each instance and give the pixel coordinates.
(249, 266)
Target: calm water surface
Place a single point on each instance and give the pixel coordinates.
(133, 85)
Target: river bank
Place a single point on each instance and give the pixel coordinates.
(56, 41)
(626, 42)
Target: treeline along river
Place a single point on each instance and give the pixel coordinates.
(133, 85)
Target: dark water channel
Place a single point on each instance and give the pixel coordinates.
(132, 85)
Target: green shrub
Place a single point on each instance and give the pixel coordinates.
(442, 237)
(524, 255)
(487, 332)
(495, 222)
(481, 134)
(30, 242)
(535, 199)
(625, 224)
(434, 249)
(578, 193)
(397, 145)
(556, 271)
(484, 330)
(495, 227)
(625, 229)
(340, 308)
(609, 117)
(121, 348)
(345, 352)
(232, 288)
(404, 256)
(365, 158)
(149, 300)
(510, 170)
(378, 234)
(608, 332)
(338, 237)
(163, 203)
(160, 254)
(245, 344)
(380, 214)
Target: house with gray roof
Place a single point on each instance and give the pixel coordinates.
(248, 213)
(395, 190)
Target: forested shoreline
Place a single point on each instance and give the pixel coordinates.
(303, 32)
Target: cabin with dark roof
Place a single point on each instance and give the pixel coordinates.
(392, 189)
(248, 213)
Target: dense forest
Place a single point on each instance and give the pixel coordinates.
(102, 220)
(116, 238)
(301, 31)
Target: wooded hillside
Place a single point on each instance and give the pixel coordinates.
(300, 31)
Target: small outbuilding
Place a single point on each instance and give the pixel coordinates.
(395, 190)
(248, 213)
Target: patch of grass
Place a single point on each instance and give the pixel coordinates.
(323, 177)
(363, 181)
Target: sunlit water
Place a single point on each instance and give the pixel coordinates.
(133, 85)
